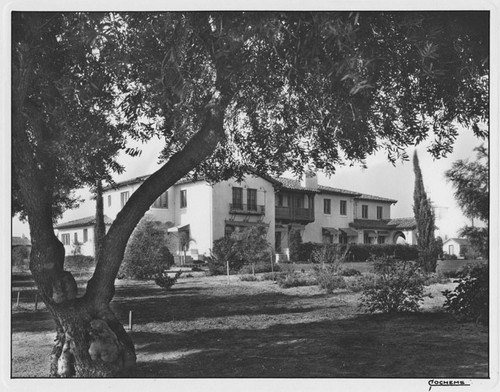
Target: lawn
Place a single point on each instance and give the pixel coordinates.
(205, 327)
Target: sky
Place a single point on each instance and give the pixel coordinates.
(380, 178)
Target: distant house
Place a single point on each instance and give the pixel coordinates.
(20, 241)
(77, 235)
(456, 246)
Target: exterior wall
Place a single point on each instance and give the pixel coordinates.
(196, 214)
(372, 209)
(457, 248)
(115, 207)
(222, 197)
(87, 248)
(313, 231)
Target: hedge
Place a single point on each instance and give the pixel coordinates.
(362, 252)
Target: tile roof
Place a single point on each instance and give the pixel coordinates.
(460, 241)
(375, 198)
(404, 223)
(388, 224)
(294, 185)
(88, 221)
(329, 189)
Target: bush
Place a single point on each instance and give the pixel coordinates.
(469, 301)
(295, 244)
(349, 272)
(78, 262)
(295, 280)
(331, 254)
(363, 252)
(329, 279)
(275, 276)
(447, 256)
(248, 278)
(361, 282)
(147, 255)
(163, 279)
(260, 268)
(399, 287)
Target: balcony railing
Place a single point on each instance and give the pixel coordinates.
(297, 213)
(248, 209)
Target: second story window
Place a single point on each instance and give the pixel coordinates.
(109, 200)
(184, 201)
(124, 198)
(343, 207)
(282, 200)
(162, 201)
(379, 212)
(252, 199)
(364, 211)
(327, 206)
(237, 197)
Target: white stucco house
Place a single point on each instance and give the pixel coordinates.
(456, 246)
(77, 235)
(204, 212)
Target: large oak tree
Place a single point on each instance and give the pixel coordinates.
(223, 91)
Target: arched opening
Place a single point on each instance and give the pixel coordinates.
(399, 238)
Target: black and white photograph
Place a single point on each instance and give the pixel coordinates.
(260, 196)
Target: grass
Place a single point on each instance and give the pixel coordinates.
(204, 327)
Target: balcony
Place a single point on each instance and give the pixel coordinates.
(247, 209)
(294, 214)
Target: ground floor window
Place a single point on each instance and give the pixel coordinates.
(366, 238)
(342, 238)
(65, 239)
(380, 240)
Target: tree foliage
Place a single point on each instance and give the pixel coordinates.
(471, 183)
(424, 216)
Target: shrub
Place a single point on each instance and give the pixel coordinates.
(248, 278)
(260, 268)
(469, 301)
(361, 282)
(331, 254)
(295, 244)
(329, 279)
(275, 276)
(147, 255)
(363, 252)
(225, 249)
(447, 256)
(295, 280)
(19, 255)
(349, 272)
(399, 287)
(163, 279)
(78, 262)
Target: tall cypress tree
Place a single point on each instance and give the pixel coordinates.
(424, 215)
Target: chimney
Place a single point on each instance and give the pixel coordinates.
(310, 180)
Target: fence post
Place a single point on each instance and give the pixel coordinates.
(17, 303)
(130, 320)
(36, 301)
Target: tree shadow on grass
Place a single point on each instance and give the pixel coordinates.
(190, 305)
(418, 345)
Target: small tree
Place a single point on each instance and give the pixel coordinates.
(147, 254)
(225, 255)
(253, 246)
(77, 248)
(424, 215)
(294, 244)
